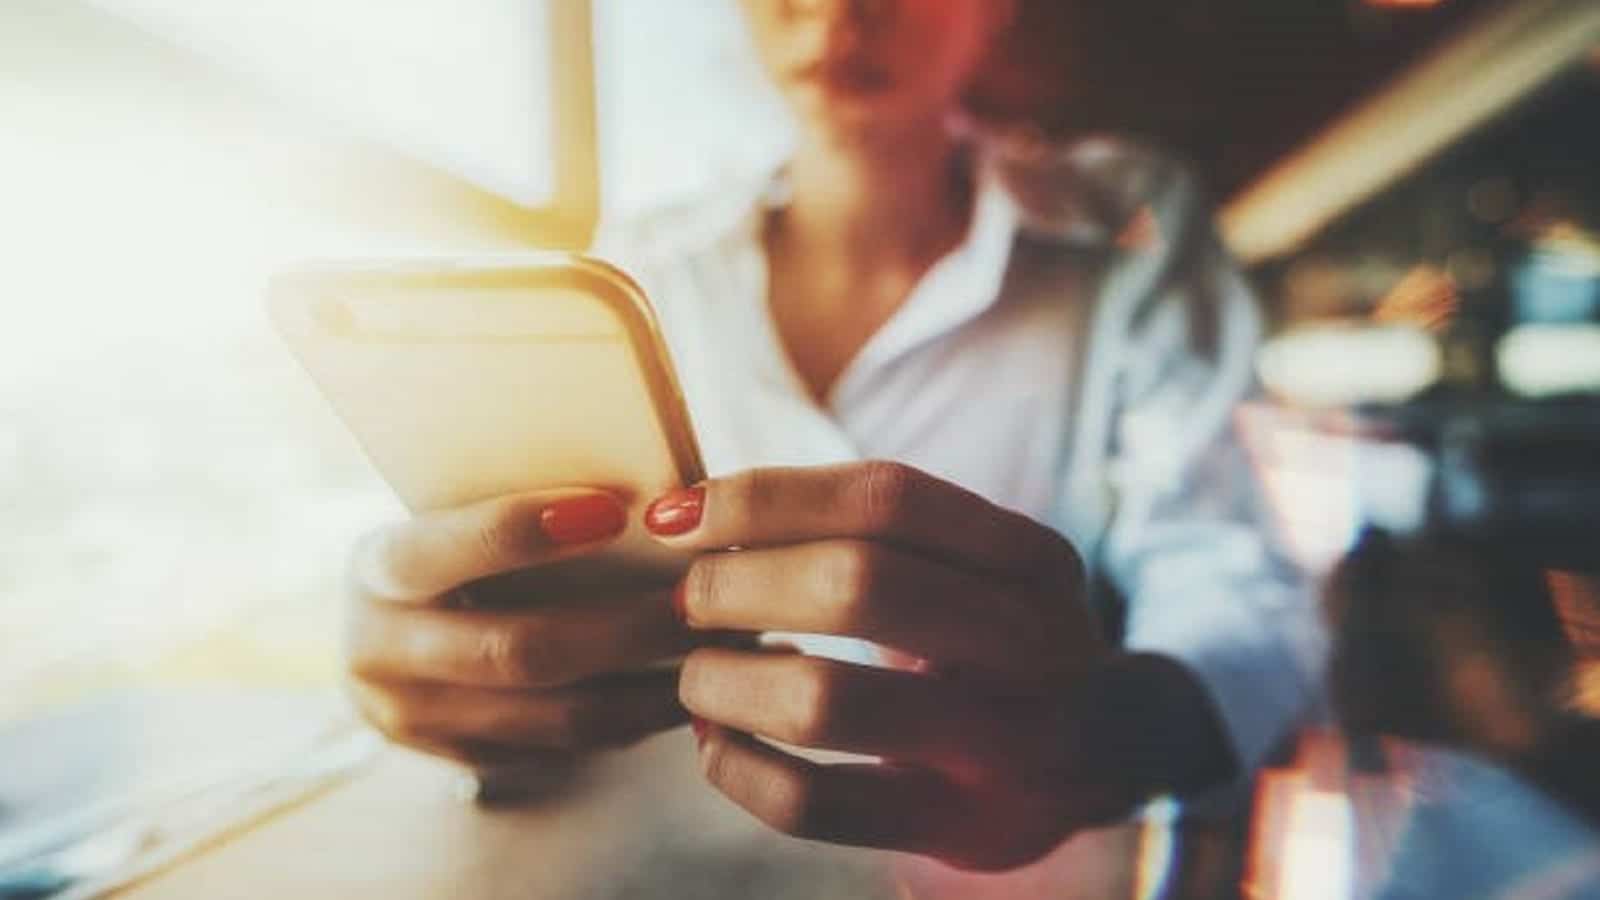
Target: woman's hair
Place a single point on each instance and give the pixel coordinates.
(1231, 85)
(1070, 69)
(1072, 66)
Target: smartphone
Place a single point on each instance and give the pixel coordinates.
(465, 380)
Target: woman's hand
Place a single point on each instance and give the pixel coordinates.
(1003, 739)
(455, 648)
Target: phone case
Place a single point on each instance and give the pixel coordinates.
(468, 380)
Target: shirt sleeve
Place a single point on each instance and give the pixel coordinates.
(1190, 542)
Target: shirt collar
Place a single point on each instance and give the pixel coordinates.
(1087, 192)
(960, 287)
(1082, 192)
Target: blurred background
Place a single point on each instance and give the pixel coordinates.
(175, 500)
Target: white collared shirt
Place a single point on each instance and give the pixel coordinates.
(1015, 370)
(952, 342)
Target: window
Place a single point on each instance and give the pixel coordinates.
(178, 501)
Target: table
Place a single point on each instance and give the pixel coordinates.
(639, 824)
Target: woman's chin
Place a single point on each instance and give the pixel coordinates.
(843, 112)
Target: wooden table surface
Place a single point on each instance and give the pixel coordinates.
(639, 824)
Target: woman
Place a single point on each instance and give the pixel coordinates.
(888, 298)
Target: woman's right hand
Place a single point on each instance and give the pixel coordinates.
(451, 651)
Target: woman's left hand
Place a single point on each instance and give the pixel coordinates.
(987, 760)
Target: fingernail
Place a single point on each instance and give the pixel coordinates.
(680, 601)
(700, 727)
(582, 520)
(677, 512)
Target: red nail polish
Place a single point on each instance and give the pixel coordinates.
(677, 512)
(582, 520)
(700, 727)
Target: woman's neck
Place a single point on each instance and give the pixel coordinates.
(877, 201)
(869, 217)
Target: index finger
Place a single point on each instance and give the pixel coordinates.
(864, 501)
(437, 552)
